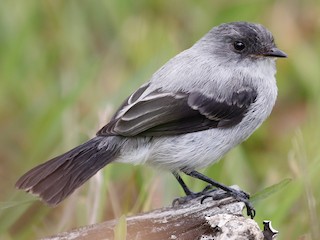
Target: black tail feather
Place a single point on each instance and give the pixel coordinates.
(57, 178)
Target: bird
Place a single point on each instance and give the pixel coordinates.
(194, 109)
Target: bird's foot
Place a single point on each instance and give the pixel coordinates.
(239, 195)
(208, 192)
(192, 195)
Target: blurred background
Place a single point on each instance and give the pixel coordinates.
(65, 66)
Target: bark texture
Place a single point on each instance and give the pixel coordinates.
(212, 219)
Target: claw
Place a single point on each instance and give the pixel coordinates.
(251, 212)
(240, 196)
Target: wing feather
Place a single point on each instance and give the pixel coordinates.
(162, 114)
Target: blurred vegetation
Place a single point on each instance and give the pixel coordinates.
(66, 65)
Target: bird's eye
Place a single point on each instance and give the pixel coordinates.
(239, 46)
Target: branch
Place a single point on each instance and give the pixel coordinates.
(218, 219)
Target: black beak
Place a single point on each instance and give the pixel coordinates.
(275, 52)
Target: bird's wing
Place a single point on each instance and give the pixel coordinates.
(165, 113)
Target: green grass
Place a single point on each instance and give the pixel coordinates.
(66, 65)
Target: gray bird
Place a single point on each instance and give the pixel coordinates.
(193, 110)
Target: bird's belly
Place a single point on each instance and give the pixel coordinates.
(194, 150)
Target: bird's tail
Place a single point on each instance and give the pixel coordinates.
(57, 178)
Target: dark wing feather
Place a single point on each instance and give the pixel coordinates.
(163, 114)
(227, 113)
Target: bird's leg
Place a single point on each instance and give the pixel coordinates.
(238, 195)
(183, 184)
